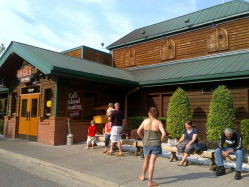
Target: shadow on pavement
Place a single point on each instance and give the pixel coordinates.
(189, 176)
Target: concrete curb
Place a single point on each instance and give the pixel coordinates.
(82, 177)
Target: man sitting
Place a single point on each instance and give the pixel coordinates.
(233, 143)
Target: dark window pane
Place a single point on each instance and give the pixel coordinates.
(34, 108)
(24, 107)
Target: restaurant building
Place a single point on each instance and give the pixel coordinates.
(197, 51)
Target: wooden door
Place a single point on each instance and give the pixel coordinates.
(33, 114)
(28, 122)
(24, 119)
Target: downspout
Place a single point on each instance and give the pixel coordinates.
(126, 103)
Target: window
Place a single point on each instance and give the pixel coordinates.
(217, 40)
(47, 103)
(130, 57)
(34, 108)
(168, 49)
(24, 108)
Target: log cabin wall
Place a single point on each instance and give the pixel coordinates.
(75, 53)
(187, 45)
(199, 96)
(97, 56)
(92, 94)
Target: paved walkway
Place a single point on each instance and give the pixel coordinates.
(106, 170)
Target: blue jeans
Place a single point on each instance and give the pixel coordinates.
(239, 157)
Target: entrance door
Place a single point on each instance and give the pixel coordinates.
(28, 122)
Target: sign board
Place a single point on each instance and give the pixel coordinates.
(74, 104)
(49, 104)
(25, 73)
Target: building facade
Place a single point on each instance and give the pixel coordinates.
(197, 51)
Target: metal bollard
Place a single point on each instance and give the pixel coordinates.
(69, 139)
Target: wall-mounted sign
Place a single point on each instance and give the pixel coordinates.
(25, 73)
(74, 105)
(49, 104)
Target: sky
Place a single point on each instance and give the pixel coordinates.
(64, 24)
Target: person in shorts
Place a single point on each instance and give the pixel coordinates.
(92, 130)
(188, 141)
(107, 133)
(152, 139)
(117, 117)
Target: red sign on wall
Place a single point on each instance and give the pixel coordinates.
(25, 74)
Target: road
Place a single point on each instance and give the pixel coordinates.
(16, 173)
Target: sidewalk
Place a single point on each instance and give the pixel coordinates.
(104, 170)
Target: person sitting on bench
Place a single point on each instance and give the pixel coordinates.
(233, 142)
(186, 144)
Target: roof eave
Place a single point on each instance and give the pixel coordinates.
(15, 48)
(92, 77)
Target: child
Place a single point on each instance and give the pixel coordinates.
(107, 133)
(109, 110)
(91, 134)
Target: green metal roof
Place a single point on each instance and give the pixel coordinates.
(224, 66)
(216, 67)
(56, 63)
(209, 16)
(4, 90)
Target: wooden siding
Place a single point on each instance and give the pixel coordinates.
(76, 53)
(44, 84)
(139, 102)
(97, 56)
(188, 45)
(92, 94)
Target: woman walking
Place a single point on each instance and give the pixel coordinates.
(152, 143)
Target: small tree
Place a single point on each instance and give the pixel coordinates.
(221, 113)
(179, 112)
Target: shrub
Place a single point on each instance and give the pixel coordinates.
(221, 113)
(245, 133)
(179, 112)
(1, 126)
(136, 121)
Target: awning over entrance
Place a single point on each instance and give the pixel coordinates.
(4, 90)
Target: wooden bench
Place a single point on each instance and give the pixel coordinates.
(209, 154)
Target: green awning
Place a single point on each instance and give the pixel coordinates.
(4, 90)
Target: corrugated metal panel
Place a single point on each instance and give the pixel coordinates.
(204, 16)
(215, 66)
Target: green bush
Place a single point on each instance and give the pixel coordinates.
(136, 121)
(245, 133)
(1, 126)
(221, 113)
(179, 112)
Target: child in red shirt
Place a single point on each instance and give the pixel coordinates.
(91, 134)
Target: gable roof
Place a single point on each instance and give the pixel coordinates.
(223, 66)
(50, 62)
(208, 16)
(217, 67)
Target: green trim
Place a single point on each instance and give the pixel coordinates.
(26, 55)
(56, 108)
(4, 90)
(93, 77)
